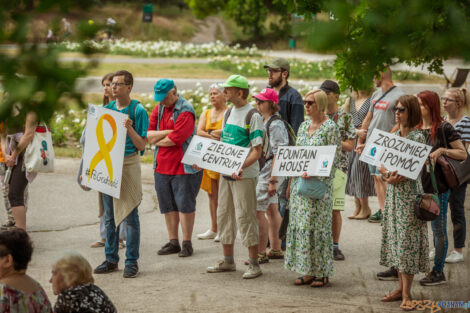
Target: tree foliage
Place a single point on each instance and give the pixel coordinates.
(367, 35)
(32, 78)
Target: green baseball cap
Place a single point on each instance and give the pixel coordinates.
(279, 63)
(236, 81)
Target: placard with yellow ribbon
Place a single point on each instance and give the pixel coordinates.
(103, 155)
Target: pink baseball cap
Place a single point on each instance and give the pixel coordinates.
(267, 94)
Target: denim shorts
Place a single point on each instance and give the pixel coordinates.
(177, 193)
(373, 170)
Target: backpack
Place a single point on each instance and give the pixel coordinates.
(290, 132)
(135, 103)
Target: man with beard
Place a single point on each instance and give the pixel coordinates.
(290, 100)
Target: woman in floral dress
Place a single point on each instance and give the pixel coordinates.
(309, 238)
(404, 236)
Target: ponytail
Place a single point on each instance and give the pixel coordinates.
(465, 101)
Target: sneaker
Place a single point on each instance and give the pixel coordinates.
(217, 238)
(376, 218)
(187, 250)
(454, 257)
(432, 254)
(169, 248)
(106, 267)
(131, 271)
(262, 259)
(253, 271)
(337, 254)
(433, 278)
(390, 274)
(8, 225)
(209, 234)
(222, 266)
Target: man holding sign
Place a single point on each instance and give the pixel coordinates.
(125, 208)
(238, 191)
(177, 185)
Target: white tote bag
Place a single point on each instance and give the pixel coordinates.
(39, 155)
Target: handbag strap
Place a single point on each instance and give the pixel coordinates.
(433, 179)
(383, 96)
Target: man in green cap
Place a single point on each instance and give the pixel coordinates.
(242, 126)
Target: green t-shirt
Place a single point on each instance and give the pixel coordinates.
(234, 133)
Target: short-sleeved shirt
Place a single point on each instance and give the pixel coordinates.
(84, 298)
(447, 130)
(278, 136)
(234, 132)
(13, 300)
(141, 122)
(169, 158)
(344, 122)
(463, 128)
(384, 117)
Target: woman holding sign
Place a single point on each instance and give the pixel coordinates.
(445, 141)
(210, 126)
(404, 236)
(309, 237)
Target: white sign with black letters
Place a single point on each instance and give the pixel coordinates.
(294, 161)
(215, 155)
(395, 153)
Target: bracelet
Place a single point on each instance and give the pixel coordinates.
(446, 152)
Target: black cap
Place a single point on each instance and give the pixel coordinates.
(330, 86)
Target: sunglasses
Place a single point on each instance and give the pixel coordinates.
(308, 102)
(397, 109)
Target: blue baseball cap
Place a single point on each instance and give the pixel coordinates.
(162, 87)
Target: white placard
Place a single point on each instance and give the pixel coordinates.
(395, 153)
(103, 155)
(294, 161)
(215, 155)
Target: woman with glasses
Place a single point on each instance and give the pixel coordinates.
(456, 102)
(445, 141)
(309, 237)
(107, 98)
(210, 126)
(404, 236)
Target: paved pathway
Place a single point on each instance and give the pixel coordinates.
(63, 217)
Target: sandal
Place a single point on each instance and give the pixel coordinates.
(98, 244)
(301, 281)
(323, 282)
(122, 244)
(275, 254)
(394, 296)
(408, 306)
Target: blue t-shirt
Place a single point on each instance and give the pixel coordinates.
(141, 122)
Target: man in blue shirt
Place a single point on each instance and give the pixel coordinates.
(125, 208)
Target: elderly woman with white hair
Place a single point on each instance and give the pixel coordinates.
(210, 126)
(73, 282)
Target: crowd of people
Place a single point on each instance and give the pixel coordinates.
(253, 201)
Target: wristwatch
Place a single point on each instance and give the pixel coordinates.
(387, 174)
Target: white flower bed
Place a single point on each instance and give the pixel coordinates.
(164, 48)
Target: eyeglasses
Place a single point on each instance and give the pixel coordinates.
(118, 84)
(308, 102)
(399, 109)
(444, 99)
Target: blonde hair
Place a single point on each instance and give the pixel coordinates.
(75, 269)
(321, 99)
(462, 96)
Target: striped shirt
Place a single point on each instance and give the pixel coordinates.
(463, 128)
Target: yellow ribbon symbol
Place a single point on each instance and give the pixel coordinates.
(105, 148)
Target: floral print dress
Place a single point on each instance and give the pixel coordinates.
(16, 301)
(309, 242)
(404, 236)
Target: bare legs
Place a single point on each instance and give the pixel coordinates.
(336, 225)
(172, 220)
(228, 250)
(213, 201)
(269, 227)
(19, 214)
(380, 189)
